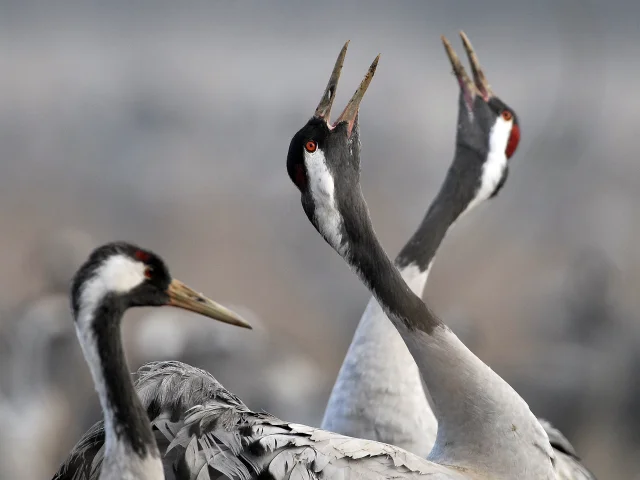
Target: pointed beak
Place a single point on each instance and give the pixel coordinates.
(182, 296)
(478, 75)
(469, 88)
(350, 112)
(323, 110)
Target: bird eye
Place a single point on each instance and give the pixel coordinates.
(148, 272)
(311, 146)
(507, 115)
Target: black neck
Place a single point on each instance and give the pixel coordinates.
(368, 258)
(129, 419)
(455, 195)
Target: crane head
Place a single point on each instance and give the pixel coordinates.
(487, 127)
(324, 159)
(119, 275)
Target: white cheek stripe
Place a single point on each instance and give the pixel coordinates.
(496, 163)
(118, 274)
(322, 190)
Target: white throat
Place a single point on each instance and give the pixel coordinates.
(493, 169)
(322, 189)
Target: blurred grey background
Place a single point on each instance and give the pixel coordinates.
(167, 124)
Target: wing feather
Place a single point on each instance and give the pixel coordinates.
(568, 464)
(205, 433)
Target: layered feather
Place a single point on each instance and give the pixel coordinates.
(204, 432)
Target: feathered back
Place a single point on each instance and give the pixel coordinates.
(204, 432)
(167, 390)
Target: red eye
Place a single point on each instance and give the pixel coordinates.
(507, 115)
(311, 146)
(148, 272)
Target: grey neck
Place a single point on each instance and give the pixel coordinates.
(367, 257)
(379, 392)
(129, 438)
(476, 410)
(450, 202)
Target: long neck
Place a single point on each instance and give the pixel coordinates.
(127, 428)
(379, 393)
(421, 248)
(474, 407)
(367, 257)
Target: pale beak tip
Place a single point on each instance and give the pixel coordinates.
(232, 318)
(465, 39)
(244, 324)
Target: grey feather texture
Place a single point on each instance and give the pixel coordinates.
(204, 432)
(568, 464)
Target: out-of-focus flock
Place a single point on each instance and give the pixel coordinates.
(170, 127)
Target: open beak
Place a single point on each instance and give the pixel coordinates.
(479, 85)
(326, 102)
(478, 75)
(182, 296)
(350, 113)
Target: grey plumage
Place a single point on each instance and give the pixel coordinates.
(378, 393)
(485, 424)
(568, 464)
(205, 432)
(115, 277)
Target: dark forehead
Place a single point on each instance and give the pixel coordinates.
(315, 129)
(498, 106)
